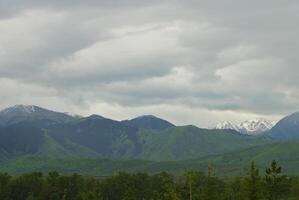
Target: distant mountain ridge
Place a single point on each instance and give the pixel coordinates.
(50, 139)
(31, 130)
(249, 127)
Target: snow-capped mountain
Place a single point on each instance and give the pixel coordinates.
(19, 113)
(18, 108)
(226, 126)
(248, 127)
(255, 126)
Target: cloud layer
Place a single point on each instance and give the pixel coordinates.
(189, 61)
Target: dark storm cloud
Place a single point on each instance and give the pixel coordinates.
(221, 56)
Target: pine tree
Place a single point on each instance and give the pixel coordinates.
(253, 183)
(4, 185)
(277, 185)
(213, 186)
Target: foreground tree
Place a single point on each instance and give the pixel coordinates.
(4, 185)
(213, 188)
(234, 189)
(192, 185)
(253, 184)
(164, 187)
(277, 184)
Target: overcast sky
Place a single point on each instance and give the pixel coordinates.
(191, 62)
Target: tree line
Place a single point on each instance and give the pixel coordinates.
(191, 185)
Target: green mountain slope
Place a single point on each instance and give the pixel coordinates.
(106, 137)
(189, 142)
(286, 153)
(234, 163)
(113, 140)
(238, 162)
(99, 137)
(51, 148)
(28, 138)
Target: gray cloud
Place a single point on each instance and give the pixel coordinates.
(226, 60)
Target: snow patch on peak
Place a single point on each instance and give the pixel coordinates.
(255, 126)
(248, 127)
(226, 125)
(20, 108)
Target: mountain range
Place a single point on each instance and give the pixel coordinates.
(248, 127)
(33, 133)
(31, 130)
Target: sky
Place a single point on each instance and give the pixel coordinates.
(191, 62)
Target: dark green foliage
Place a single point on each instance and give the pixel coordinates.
(28, 186)
(191, 185)
(277, 184)
(4, 185)
(253, 183)
(234, 189)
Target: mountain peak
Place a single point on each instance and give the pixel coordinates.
(255, 126)
(20, 108)
(19, 113)
(94, 116)
(148, 122)
(146, 116)
(249, 127)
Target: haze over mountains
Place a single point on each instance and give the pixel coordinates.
(39, 133)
